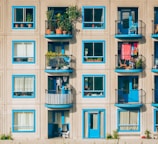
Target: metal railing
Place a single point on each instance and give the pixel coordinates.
(129, 62)
(120, 27)
(53, 97)
(58, 62)
(122, 96)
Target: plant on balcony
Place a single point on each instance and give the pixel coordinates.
(138, 64)
(59, 22)
(29, 18)
(49, 14)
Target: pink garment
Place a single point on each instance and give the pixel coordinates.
(126, 52)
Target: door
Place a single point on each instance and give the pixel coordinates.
(94, 125)
(156, 89)
(51, 84)
(156, 16)
(128, 89)
(156, 53)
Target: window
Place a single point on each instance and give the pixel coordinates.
(93, 86)
(23, 86)
(23, 52)
(93, 123)
(93, 51)
(23, 120)
(94, 17)
(156, 120)
(128, 120)
(23, 17)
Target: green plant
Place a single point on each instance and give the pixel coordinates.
(139, 63)
(6, 137)
(29, 17)
(109, 136)
(147, 133)
(115, 134)
(50, 14)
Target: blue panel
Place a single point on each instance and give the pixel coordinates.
(129, 106)
(59, 71)
(128, 36)
(59, 106)
(128, 70)
(58, 36)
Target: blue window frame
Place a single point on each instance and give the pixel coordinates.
(23, 86)
(128, 120)
(23, 120)
(23, 17)
(93, 123)
(93, 51)
(93, 86)
(23, 52)
(155, 120)
(93, 17)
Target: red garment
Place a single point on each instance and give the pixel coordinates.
(126, 52)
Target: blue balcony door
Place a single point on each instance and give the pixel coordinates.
(156, 89)
(156, 15)
(55, 121)
(156, 53)
(94, 128)
(128, 88)
(52, 84)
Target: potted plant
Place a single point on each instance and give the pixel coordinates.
(147, 133)
(60, 23)
(49, 14)
(29, 19)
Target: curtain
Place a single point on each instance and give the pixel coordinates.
(67, 118)
(23, 121)
(23, 49)
(58, 118)
(23, 84)
(128, 120)
(101, 124)
(86, 124)
(126, 51)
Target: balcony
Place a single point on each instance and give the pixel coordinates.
(154, 64)
(154, 30)
(133, 64)
(155, 97)
(58, 63)
(128, 98)
(51, 31)
(58, 100)
(128, 30)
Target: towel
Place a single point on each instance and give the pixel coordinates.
(126, 52)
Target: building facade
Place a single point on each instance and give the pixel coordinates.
(100, 77)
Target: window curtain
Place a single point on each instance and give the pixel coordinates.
(101, 124)
(58, 118)
(126, 51)
(23, 121)
(128, 120)
(23, 49)
(86, 124)
(23, 84)
(67, 118)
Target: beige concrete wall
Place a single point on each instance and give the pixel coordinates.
(7, 69)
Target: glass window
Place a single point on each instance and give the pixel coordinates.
(94, 17)
(23, 86)
(23, 121)
(156, 120)
(93, 51)
(93, 86)
(128, 120)
(23, 52)
(23, 17)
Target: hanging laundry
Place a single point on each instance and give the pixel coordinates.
(126, 51)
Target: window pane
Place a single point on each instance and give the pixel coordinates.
(89, 48)
(98, 49)
(18, 15)
(88, 15)
(98, 15)
(23, 121)
(98, 83)
(93, 120)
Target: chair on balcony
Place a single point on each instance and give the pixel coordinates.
(65, 131)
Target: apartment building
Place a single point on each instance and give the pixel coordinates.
(100, 77)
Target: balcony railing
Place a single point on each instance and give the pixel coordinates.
(55, 98)
(58, 63)
(130, 98)
(123, 30)
(129, 63)
(155, 96)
